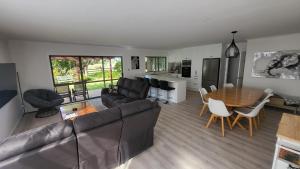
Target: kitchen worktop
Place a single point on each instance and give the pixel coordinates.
(166, 77)
(179, 84)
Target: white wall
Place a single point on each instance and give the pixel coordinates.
(4, 57)
(32, 59)
(10, 113)
(284, 42)
(196, 54)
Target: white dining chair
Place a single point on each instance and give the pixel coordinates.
(213, 88)
(218, 110)
(203, 92)
(250, 114)
(268, 91)
(228, 85)
(260, 100)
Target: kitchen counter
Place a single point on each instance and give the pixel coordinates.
(177, 95)
(166, 78)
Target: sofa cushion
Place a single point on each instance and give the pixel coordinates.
(136, 107)
(34, 138)
(132, 88)
(122, 101)
(93, 120)
(129, 90)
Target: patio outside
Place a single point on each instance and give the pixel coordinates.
(93, 73)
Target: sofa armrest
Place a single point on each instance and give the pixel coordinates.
(105, 91)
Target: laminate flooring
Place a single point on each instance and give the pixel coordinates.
(182, 142)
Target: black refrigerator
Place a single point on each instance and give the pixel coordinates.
(210, 72)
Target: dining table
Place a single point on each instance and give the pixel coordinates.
(236, 97)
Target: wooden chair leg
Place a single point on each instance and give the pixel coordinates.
(254, 122)
(203, 109)
(222, 126)
(210, 120)
(236, 120)
(250, 126)
(238, 123)
(229, 123)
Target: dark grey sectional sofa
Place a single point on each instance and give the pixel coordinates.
(103, 140)
(128, 90)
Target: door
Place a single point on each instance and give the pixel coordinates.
(235, 71)
(210, 72)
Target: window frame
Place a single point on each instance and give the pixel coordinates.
(156, 63)
(82, 80)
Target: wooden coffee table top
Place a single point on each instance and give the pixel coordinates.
(73, 110)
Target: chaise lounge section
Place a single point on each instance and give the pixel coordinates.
(47, 147)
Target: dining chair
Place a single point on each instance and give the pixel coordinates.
(203, 92)
(80, 90)
(218, 110)
(268, 94)
(64, 92)
(250, 114)
(213, 88)
(268, 90)
(228, 85)
(260, 100)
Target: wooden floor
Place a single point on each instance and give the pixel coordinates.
(182, 142)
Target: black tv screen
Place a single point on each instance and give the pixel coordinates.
(8, 82)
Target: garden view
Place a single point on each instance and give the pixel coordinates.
(95, 72)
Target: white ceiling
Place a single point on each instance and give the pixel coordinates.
(157, 24)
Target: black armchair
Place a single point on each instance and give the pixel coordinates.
(43, 99)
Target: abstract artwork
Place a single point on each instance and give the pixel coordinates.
(283, 64)
(135, 62)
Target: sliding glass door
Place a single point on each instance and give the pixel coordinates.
(92, 70)
(84, 76)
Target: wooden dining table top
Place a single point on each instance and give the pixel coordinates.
(236, 96)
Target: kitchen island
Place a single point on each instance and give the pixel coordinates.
(179, 84)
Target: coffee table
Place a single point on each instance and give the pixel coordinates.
(73, 110)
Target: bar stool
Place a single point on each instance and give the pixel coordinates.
(147, 80)
(164, 85)
(155, 84)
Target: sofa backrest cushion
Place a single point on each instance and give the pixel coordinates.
(35, 138)
(98, 137)
(136, 107)
(94, 120)
(134, 89)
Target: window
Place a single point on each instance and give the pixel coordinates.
(92, 72)
(156, 63)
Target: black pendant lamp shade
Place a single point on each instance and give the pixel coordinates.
(232, 50)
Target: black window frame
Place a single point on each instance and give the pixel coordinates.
(82, 81)
(156, 63)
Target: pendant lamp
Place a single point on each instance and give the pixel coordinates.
(232, 50)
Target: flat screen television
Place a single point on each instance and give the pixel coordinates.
(8, 82)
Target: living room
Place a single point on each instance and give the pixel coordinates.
(154, 42)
